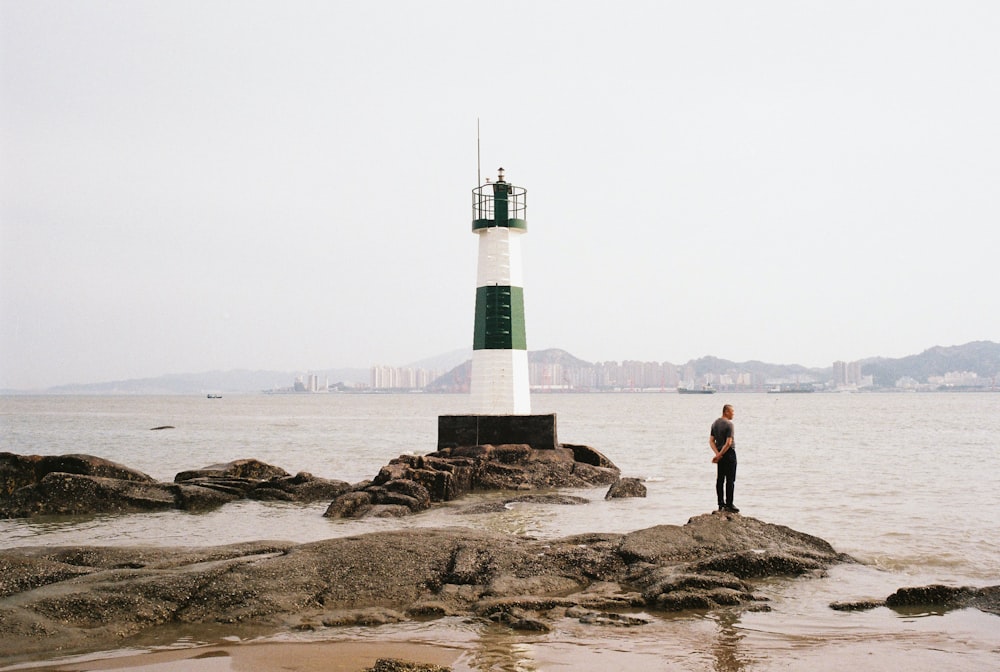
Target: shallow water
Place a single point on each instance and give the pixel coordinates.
(901, 482)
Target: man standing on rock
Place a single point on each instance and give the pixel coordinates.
(722, 441)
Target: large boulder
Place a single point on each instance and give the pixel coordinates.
(71, 494)
(626, 487)
(18, 471)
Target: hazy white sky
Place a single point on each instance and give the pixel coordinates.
(192, 186)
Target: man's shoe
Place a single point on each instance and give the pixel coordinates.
(722, 507)
(732, 509)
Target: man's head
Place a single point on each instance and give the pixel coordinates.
(727, 412)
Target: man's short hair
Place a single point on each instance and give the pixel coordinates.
(726, 408)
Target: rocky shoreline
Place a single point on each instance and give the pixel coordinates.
(93, 598)
(56, 601)
(33, 485)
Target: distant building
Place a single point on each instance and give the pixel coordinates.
(847, 375)
(401, 378)
(309, 383)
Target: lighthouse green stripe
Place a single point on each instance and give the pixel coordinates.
(499, 318)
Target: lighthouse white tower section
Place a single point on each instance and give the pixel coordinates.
(499, 384)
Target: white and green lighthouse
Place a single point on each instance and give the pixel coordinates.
(501, 402)
(499, 383)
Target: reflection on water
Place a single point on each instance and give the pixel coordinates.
(211, 662)
(726, 653)
(504, 650)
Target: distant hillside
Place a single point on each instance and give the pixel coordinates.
(457, 379)
(979, 357)
(714, 365)
(229, 382)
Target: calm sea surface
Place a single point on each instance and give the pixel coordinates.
(903, 482)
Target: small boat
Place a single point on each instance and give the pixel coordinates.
(797, 389)
(215, 396)
(704, 389)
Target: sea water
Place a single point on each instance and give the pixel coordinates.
(904, 483)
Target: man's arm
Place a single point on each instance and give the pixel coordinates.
(719, 453)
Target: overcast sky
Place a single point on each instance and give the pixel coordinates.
(195, 186)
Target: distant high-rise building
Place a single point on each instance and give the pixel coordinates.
(840, 373)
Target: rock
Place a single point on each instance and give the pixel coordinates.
(350, 505)
(945, 598)
(394, 665)
(90, 598)
(20, 574)
(452, 472)
(82, 484)
(527, 498)
(389, 511)
(18, 471)
(612, 619)
(196, 496)
(626, 487)
(303, 487)
(248, 469)
(368, 617)
(706, 536)
(859, 605)
(587, 455)
(71, 494)
(935, 597)
(756, 563)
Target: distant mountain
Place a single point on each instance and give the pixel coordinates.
(457, 379)
(979, 357)
(713, 365)
(230, 382)
(555, 356)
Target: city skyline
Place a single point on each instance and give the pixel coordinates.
(970, 365)
(185, 187)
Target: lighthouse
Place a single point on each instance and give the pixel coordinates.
(499, 383)
(501, 413)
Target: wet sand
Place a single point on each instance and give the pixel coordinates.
(255, 657)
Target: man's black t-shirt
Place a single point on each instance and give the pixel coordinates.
(722, 429)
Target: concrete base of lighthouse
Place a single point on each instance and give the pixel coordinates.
(537, 431)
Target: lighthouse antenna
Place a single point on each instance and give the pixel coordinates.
(479, 172)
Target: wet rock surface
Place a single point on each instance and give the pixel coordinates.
(85, 599)
(18, 471)
(626, 487)
(412, 483)
(32, 485)
(933, 598)
(394, 665)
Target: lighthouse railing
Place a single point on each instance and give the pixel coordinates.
(484, 206)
